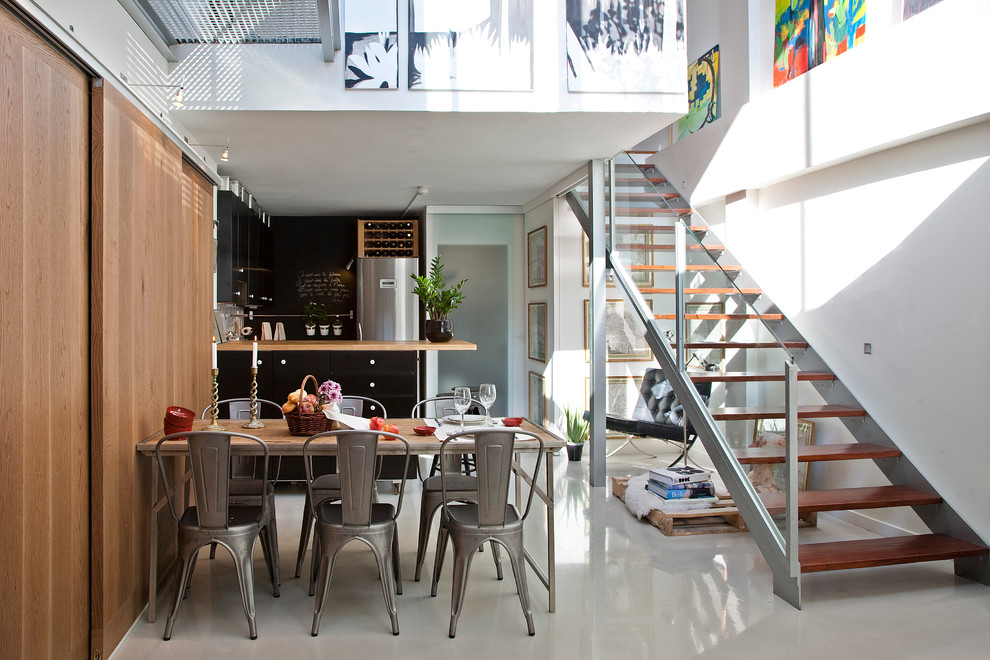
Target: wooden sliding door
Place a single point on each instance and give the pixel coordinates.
(44, 344)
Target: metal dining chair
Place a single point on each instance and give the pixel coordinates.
(327, 486)
(460, 487)
(356, 516)
(469, 525)
(215, 519)
(245, 488)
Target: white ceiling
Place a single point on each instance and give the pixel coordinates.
(371, 163)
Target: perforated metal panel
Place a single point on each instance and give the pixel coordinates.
(235, 21)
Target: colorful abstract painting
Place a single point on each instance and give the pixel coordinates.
(912, 7)
(626, 46)
(484, 45)
(809, 32)
(371, 44)
(704, 106)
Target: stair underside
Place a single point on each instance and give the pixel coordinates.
(721, 317)
(690, 267)
(864, 553)
(754, 376)
(728, 291)
(627, 212)
(628, 227)
(744, 344)
(778, 412)
(654, 247)
(842, 452)
(843, 499)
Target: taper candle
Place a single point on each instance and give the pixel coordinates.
(214, 355)
(254, 355)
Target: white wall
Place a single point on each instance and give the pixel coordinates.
(865, 217)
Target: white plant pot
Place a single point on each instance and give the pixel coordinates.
(338, 330)
(324, 330)
(310, 330)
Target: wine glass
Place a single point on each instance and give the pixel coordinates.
(462, 401)
(486, 394)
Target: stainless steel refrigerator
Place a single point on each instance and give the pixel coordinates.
(386, 306)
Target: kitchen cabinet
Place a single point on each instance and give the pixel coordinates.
(245, 258)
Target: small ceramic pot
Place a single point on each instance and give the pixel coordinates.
(324, 330)
(310, 330)
(439, 330)
(574, 450)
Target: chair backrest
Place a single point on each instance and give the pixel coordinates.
(658, 403)
(437, 407)
(493, 450)
(209, 460)
(357, 452)
(241, 408)
(361, 406)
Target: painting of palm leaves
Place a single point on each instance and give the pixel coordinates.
(626, 46)
(484, 45)
(371, 44)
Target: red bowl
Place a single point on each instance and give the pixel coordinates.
(179, 415)
(511, 421)
(424, 430)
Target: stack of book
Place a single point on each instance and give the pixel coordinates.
(681, 483)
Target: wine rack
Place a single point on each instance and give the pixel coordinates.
(388, 238)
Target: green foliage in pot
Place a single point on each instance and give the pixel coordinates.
(438, 299)
(576, 427)
(316, 313)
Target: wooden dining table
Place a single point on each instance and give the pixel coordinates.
(281, 443)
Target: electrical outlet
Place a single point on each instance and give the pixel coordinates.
(868, 349)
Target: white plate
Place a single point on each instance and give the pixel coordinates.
(468, 419)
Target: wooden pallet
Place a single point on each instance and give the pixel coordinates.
(720, 519)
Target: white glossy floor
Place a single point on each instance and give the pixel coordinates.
(624, 591)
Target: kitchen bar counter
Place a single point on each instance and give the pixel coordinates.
(349, 345)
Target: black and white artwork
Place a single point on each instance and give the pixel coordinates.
(371, 44)
(484, 45)
(626, 46)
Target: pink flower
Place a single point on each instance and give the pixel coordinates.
(330, 392)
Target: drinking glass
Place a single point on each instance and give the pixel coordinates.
(462, 401)
(486, 394)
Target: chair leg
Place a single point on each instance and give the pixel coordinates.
(213, 550)
(462, 565)
(386, 561)
(442, 535)
(425, 520)
(323, 570)
(244, 565)
(515, 552)
(314, 564)
(270, 553)
(396, 568)
(498, 562)
(183, 569)
(304, 532)
(192, 569)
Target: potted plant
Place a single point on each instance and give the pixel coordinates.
(316, 314)
(338, 326)
(438, 300)
(576, 430)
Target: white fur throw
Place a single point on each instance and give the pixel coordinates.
(640, 501)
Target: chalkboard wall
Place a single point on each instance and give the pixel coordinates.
(311, 255)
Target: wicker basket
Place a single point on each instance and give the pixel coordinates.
(307, 423)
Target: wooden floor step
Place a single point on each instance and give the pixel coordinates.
(721, 317)
(690, 267)
(844, 499)
(639, 195)
(714, 345)
(704, 292)
(864, 553)
(813, 453)
(627, 181)
(755, 376)
(653, 247)
(737, 413)
(655, 211)
(625, 227)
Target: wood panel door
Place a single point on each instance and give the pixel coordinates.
(44, 343)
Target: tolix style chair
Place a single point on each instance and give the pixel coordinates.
(470, 525)
(327, 486)
(215, 519)
(460, 487)
(357, 516)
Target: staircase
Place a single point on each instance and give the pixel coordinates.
(733, 336)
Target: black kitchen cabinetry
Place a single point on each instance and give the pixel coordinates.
(245, 255)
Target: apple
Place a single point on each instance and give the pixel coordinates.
(391, 428)
(312, 398)
(376, 423)
(306, 407)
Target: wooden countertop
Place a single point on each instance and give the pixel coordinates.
(349, 345)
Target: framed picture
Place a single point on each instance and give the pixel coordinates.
(537, 398)
(621, 396)
(537, 331)
(536, 253)
(633, 248)
(586, 263)
(704, 330)
(624, 340)
(772, 477)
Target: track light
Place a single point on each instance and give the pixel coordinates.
(224, 155)
(176, 100)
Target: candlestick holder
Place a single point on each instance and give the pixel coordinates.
(213, 426)
(255, 423)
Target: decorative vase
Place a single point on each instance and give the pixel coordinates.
(574, 450)
(439, 330)
(310, 330)
(324, 330)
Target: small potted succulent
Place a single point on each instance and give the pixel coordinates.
(576, 429)
(338, 326)
(438, 300)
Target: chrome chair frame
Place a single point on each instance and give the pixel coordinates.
(357, 516)
(491, 519)
(327, 487)
(214, 519)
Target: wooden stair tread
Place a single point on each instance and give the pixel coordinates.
(843, 499)
(806, 454)
(647, 212)
(653, 247)
(721, 317)
(755, 376)
(701, 292)
(632, 227)
(744, 344)
(638, 195)
(693, 267)
(863, 553)
(778, 412)
(626, 180)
